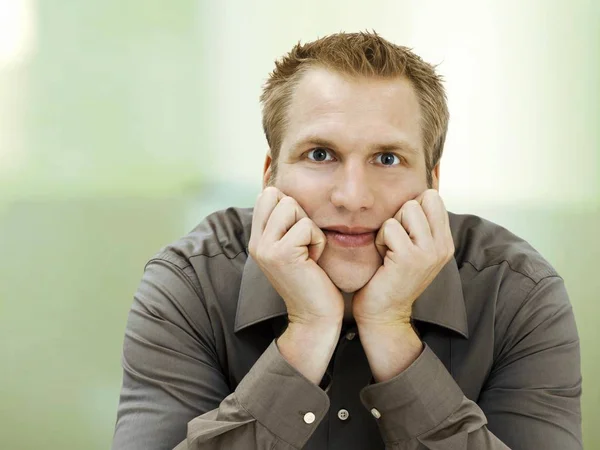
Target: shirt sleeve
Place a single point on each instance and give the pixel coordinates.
(273, 407)
(174, 393)
(531, 398)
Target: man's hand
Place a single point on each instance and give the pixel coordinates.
(286, 245)
(415, 246)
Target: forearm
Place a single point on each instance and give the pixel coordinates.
(423, 407)
(272, 407)
(309, 348)
(390, 349)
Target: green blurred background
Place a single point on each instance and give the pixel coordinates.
(122, 124)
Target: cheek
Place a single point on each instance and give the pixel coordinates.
(391, 196)
(308, 188)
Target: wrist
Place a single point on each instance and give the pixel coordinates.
(401, 318)
(313, 333)
(390, 348)
(309, 347)
(390, 327)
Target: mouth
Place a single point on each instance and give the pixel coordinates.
(350, 237)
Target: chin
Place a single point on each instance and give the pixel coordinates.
(349, 285)
(349, 274)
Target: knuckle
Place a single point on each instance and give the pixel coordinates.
(390, 223)
(411, 205)
(305, 222)
(431, 193)
(432, 198)
(270, 190)
(287, 200)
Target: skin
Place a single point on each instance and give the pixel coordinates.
(351, 155)
(354, 188)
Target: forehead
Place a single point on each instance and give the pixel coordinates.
(329, 102)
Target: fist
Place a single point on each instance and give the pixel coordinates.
(415, 245)
(286, 244)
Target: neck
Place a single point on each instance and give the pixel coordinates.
(348, 307)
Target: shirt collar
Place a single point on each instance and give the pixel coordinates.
(442, 303)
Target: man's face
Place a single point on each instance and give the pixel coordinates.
(351, 156)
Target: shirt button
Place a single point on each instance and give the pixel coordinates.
(343, 414)
(375, 413)
(309, 417)
(350, 335)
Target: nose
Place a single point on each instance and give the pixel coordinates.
(352, 190)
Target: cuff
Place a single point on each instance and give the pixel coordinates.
(414, 401)
(283, 400)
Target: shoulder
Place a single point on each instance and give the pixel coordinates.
(483, 245)
(224, 233)
(505, 279)
(219, 238)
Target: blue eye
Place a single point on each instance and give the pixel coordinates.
(319, 155)
(388, 159)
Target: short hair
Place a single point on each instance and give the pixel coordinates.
(363, 54)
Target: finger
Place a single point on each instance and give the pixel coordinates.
(414, 221)
(419, 198)
(392, 236)
(284, 216)
(437, 216)
(305, 233)
(265, 204)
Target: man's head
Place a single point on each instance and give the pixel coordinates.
(356, 127)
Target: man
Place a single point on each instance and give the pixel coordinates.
(349, 309)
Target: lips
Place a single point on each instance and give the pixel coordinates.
(350, 237)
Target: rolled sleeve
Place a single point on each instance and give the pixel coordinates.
(415, 401)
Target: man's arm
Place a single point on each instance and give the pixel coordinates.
(171, 376)
(531, 398)
(171, 368)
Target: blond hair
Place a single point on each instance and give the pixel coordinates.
(357, 54)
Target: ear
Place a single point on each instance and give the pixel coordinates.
(267, 169)
(435, 177)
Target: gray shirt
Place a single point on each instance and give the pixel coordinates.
(201, 368)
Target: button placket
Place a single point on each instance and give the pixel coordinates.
(343, 414)
(351, 425)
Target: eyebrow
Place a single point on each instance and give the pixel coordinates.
(317, 141)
